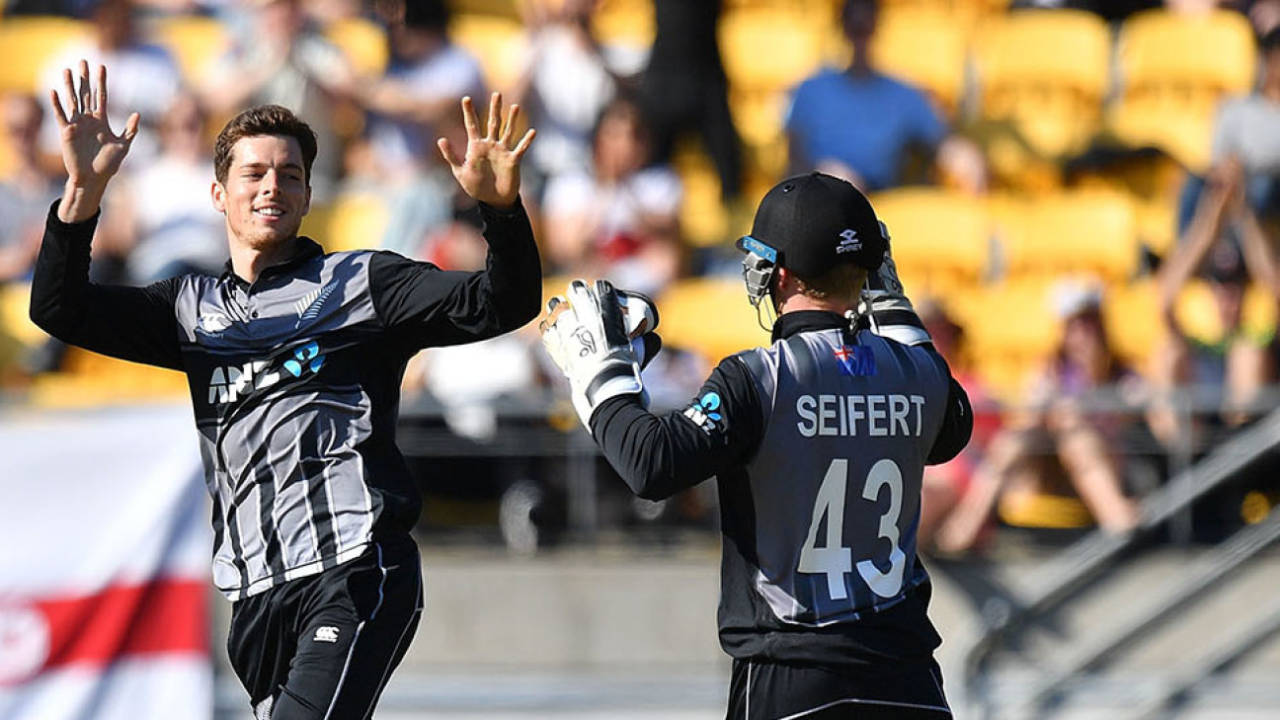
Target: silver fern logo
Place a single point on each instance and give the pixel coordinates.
(308, 308)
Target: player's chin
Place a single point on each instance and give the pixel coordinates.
(262, 236)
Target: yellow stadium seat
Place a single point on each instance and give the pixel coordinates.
(940, 238)
(1174, 71)
(628, 23)
(193, 41)
(354, 221)
(498, 43)
(769, 48)
(7, 159)
(89, 379)
(1010, 330)
(1084, 231)
(1131, 314)
(15, 320)
(703, 218)
(28, 44)
(363, 42)
(766, 52)
(758, 115)
(926, 49)
(687, 305)
(964, 15)
(315, 224)
(1047, 72)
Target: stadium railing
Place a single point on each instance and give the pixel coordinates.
(1072, 571)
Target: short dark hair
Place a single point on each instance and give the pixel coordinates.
(1271, 41)
(841, 282)
(263, 120)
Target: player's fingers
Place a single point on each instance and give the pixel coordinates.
(523, 146)
(131, 127)
(101, 106)
(495, 116)
(85, 95)
(58, 113)
(69, 92)
(556, 307)
(469, 119)
(509, 129)
(446, 151)
(582, 296)
(615, 327)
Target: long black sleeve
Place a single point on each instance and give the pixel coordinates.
(658, 456)
(430, 306)
(130, 323)
(957, 426)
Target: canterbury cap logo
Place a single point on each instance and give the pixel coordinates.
(326, 633)
(849, 242)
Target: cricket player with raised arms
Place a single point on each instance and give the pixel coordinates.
(818, 443)
(294, 359)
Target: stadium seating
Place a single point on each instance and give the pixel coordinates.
(497, 42)
(758, 79)
(352, 222)
(1131, 313)
(193, 41)
(15, 320)
(924, 48)
(1083, 231)
(1047, 72)
(703, 217)
(940, 238)
(1174, 70)
(90, 380)
(29, 43)
(687, 306)
(363, 42)
(1010, 330)
(624, 23)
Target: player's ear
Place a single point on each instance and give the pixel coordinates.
(218, 194)
(306, 203)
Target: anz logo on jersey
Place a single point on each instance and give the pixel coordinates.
(703, 412)
(230, 383)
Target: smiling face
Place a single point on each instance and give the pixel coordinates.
(265, 193)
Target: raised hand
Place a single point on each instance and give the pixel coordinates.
(490, 169)
(91, 152)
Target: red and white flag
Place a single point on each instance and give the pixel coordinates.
(104, 567)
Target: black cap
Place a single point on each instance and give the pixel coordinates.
(813, 223)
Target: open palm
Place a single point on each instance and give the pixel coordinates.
(91, 152)
(490, 169)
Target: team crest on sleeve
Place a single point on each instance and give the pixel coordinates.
(856, 360)
(704, 412)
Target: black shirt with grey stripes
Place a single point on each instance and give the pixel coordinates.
(294, 379)
(720, 434)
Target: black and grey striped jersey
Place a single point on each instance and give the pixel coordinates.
(294, 379)
(819, 444)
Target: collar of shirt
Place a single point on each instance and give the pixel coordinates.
(303, 250)
(799, 321)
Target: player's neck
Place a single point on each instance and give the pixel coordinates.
(248, 262)
(798, 302)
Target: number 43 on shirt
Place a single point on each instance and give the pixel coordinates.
(835, 560)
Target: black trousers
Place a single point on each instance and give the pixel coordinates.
(776, 691)
(322, 647)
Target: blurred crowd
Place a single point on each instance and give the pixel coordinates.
(661, 123)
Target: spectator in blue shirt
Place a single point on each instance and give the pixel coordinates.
(859, 124)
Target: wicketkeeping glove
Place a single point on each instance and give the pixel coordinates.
(886, 305)
(599, 338)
